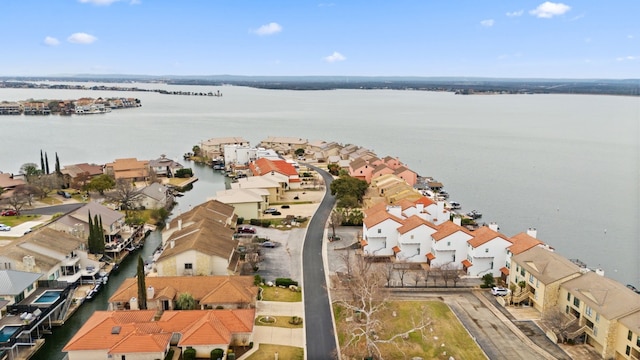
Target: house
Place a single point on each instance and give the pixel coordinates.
(284, 145)
(521, 242)
(209, 292)
(15, 285)
(76, 223)
(200, 242)
(9, 183)
(214, 148)
(279, 170)
(406, 174)
(539, 273)
(449, 244)
(380, 234)
(627, 337)
(248, 203)
(55, 255)
(78, 175)
(239, 155)
(155, 196)
(164, 167)
(128, 169)
(486, 251)
(275, 191)
(598, 303)
(137, 335)
(414, 239)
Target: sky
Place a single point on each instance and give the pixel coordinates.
(583, 39)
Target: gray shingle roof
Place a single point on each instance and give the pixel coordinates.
(14, 282)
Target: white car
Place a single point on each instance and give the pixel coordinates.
(270, 210)
(4, 227)
(499, 291)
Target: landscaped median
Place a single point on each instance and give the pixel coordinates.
(274, 293)
(267, 352)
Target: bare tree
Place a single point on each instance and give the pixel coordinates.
(416, 276)
(367, 300)
(448, 272)
(45, 183)
(560, 323)
(388, 273)
(19, 198)
(434, 272)
(402, 269)
(126, 194)
(335, 219)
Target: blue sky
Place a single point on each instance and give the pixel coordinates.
(487, 38)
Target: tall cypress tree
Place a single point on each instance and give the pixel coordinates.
(100, 232)
(46, 163)
(90, 239)
(41, 161)
(58, 165)
(142, 286)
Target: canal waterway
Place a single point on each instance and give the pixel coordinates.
(209, 181)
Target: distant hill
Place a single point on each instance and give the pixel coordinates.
(459, 85)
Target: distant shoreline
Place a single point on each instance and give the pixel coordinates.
(461, 86)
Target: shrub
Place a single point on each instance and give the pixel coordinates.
(488, 281)
(257, 279)
(231, 355)
(285, 282)
(189, 354)
(251, 345)
(240, 220)
(217, 354)
(169, 355)
(295, 320)
(184, 173)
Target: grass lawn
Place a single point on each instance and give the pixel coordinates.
(280, 321)
(49, 200)
(17, 220)
(267, 352)
(279, 294)
(445, 329)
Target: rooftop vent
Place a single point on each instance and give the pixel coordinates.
(115, 330)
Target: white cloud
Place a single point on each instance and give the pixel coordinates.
(51, 41)
(548, 10)
(630, 36)
(335, 57)
(515, 13)
(268, 29)
(628, 58)
(326, 4)
(487, 23)
(81, 38)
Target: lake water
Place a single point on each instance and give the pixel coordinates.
(567, 165)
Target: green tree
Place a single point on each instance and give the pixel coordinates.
(41, 160)
(217, 354)
(46, 163)
(334, 169)
(196, 150)
(184, 173)
(142, 286)
(347, 186)
(30, 170)
(185, 301)
(101, 183)
(299, 152)
(58, 172)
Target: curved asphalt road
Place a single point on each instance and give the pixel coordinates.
(50, 210)
(320, 333)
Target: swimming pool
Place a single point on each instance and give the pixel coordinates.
(48, 297)
(7, 331)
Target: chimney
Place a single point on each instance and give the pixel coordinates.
(494, 226)
(440, 214)
(172, 243)
(179, 224)
(599, 271)
(457, 220)
(420, 207)
(532, 232)
(167, 226)
(150, 292)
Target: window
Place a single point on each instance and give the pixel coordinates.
(411, 237)
(491, 265)
(595, 331)
(628, 350)
(568, 296)
(566, 309)
(629, 336)
(531, 278)
(537, 283)
(597, 317)
(587, 311)
(522, 271)
(576, 302)
(379, 231)
(486, 250)
(448, 243)
(638, 341)
(29, 288)
(188, 266)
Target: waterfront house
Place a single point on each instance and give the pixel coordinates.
(155, 196)
(449, 245)
(76, 223)
(214, 147)
(137, 335)
(363, 169)
(209, 292)
(275, 191)
(284, 145)
(537, 274)
(78, 175)
(239, 155)
(598, 303)
(56, 255)
(486, 251)
(248, 203)
(10, 108)
(414, 240)
(16, 285)
(521, 242)
(278, 170)
(628, 337)
(380, 233)
(164, 167)
(128, 169)
(390, 189)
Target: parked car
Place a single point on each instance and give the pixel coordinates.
(8, 212)
(246, 229)
(499, 291)
(270, 210)
(4, 227)
(64, 194)
(269, 244)
(276, 213)
(334, 237)
(285, 206)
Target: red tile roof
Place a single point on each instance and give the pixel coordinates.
(523, 242)
(413, 222)
(379, 217)
(396, 249)
(504, 270)
(430, 256)
(466, 263)
(448, 228)
(484, 234)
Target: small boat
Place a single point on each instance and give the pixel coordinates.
(454, 205)
(474, 214)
